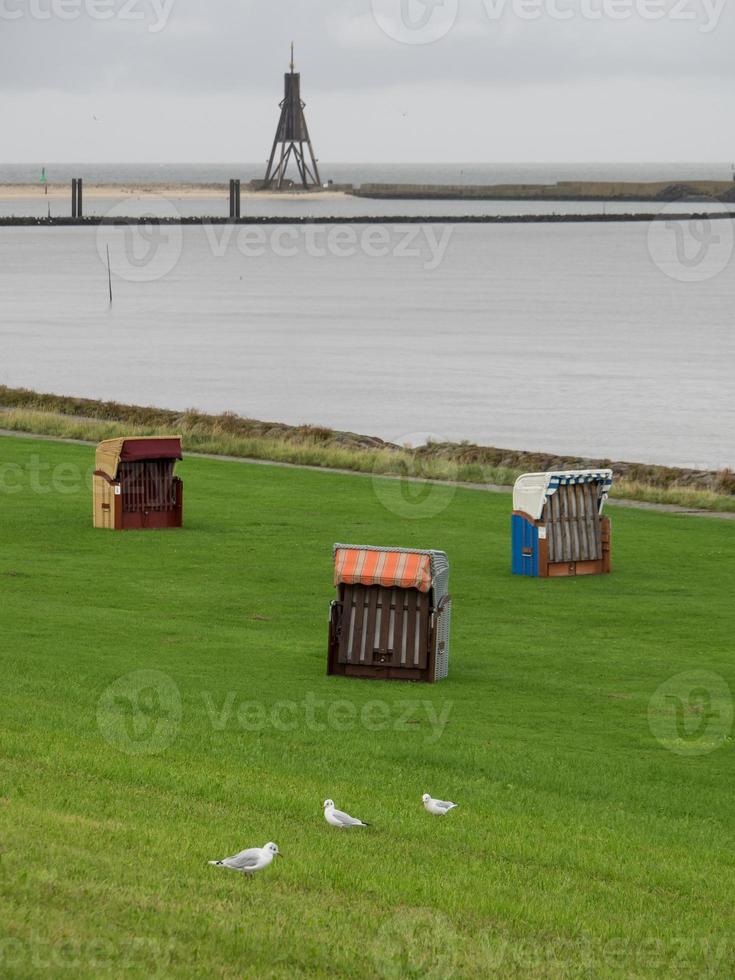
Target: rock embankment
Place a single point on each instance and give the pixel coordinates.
(468, 458)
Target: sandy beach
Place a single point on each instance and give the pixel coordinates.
(36, 192)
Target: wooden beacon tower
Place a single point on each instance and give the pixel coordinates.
(292, 136)
(558, 527)
(134, 484)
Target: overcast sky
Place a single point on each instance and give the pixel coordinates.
(384, 80)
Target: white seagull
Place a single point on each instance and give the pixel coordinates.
(438, 807)
(250, 861)
(339, 819)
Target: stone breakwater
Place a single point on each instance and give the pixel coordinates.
(662, 191)
(398, 219)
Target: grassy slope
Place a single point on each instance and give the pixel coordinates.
(310, 451)
(581, 847)
(230, 435)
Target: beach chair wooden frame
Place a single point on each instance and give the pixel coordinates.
(558, 529)
(135, 486)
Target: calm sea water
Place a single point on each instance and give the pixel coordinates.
(358, 173)
(570, 338)
(135, 205)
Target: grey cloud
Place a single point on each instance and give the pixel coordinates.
(230, 45)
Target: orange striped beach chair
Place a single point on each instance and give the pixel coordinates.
(392, 614)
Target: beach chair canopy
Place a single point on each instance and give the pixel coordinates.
(389, 567)
(533, 490)
(112, 452)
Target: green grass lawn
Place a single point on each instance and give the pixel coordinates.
(584, 844)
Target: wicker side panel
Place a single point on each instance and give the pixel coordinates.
(593, 521)
(440, 570)
(103, 503)
(443, 630)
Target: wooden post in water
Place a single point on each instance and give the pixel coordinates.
(76, 197)
(109, 274)
(234, 200)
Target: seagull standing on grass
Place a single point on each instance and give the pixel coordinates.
(250, 861)
(339, 819)
(438, 807)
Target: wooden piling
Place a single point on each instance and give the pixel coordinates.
(235, 194)
(77, 210)
(109, 274)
